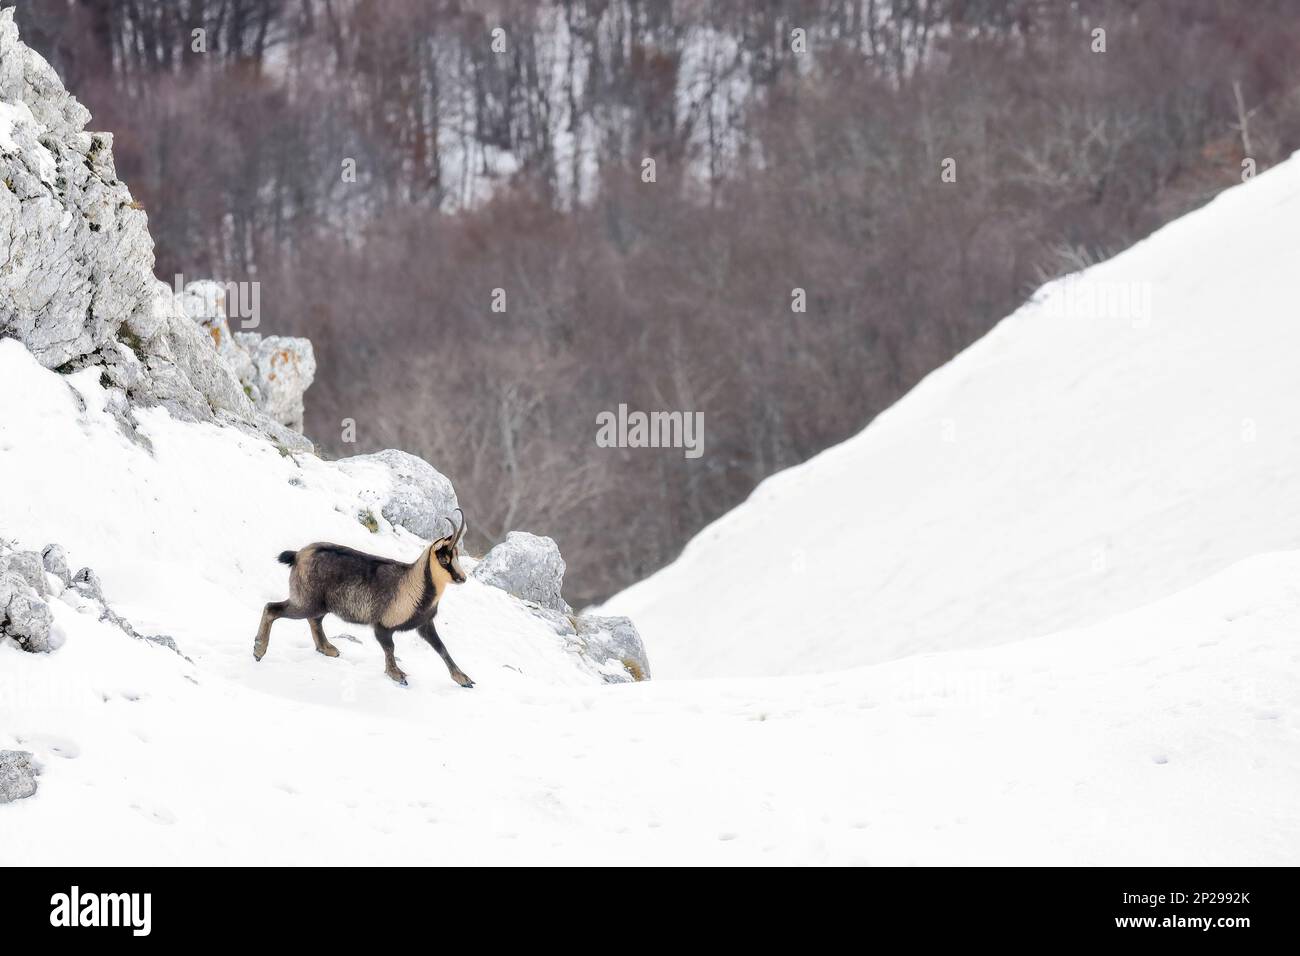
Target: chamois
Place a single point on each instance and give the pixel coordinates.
(362, 588)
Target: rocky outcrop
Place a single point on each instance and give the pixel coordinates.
(25, 615)
(75, 247)
(17, 775)
(418, 497)
(273, 371)
(529, 566)
(25, 618)
(30, 580)
(611, 646)
(76, 272)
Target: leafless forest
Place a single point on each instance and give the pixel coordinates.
(796, 145)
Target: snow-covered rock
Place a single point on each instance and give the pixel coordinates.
(412, 493)
(27, 565)
(529, 566)
(615, 646)
(24, 615)
(86, 583)
(17, 775)
(30, 581)
(55, 560)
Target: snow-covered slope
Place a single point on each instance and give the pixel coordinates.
(184, 535)
(1166, 736)
(1125, 434)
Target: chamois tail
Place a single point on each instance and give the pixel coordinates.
(287, 557)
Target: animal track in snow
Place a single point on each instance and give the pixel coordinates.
(59, 746)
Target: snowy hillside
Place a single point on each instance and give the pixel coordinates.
(184, 533)
(1113, 744)
(1127, 433)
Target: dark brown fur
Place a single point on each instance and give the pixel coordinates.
(362, 588)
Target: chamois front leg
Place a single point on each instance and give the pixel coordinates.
(430, 634)
(385, 639)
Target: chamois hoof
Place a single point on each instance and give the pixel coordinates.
(259, 652)
(398, 678)
(329, 650)
(464, 681)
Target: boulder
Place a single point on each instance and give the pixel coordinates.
(529, 566)
(17, 775)
(86, 583)
(55, 560)
(28, 566)
(418, 498)
(615, 646)
(24, 615)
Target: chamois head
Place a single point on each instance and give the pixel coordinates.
(446, 551)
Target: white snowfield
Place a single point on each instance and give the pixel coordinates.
(923, 587)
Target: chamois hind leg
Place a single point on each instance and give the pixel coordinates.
(318, 635)
(385, 639)
(273, 612)
(430, 634)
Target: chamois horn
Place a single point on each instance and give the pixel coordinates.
(459, 531)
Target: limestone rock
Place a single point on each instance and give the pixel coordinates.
(24, 615)
(615, 646)
(528, 566)
(419, 498)
(28, 566)
(17, 775)
(75, 247)
(55, 560)
(280, 369)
